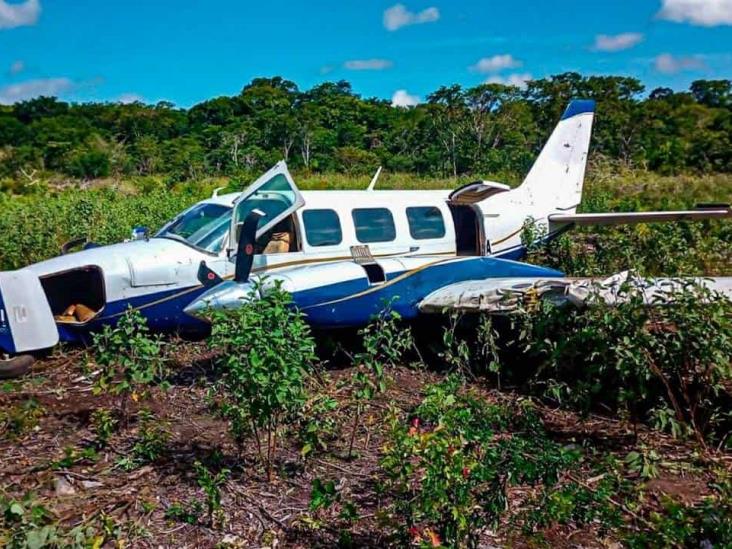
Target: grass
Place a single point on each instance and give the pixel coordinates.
(36, 224)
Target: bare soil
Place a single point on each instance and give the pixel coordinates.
(256, 512)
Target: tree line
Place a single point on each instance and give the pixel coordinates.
(487, 129)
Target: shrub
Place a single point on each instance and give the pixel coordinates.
(17, 420)
(103, 424)
(26, 524)
(211, 485)
(385, 342)
(317, 424)
(449, 465)
(130, 358)
(266, 354)
(706, 524)
(631, 357)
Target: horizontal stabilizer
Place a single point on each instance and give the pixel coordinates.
(627, 218)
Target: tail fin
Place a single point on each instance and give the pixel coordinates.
(556, 178)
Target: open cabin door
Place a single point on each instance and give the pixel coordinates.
(274, 194)
(467, 216)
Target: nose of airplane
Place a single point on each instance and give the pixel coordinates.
(227, 295)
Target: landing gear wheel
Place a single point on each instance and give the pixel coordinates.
(16, 366)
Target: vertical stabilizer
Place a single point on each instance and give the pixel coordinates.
(555, 181)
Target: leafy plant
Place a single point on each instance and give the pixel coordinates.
(20, 418)
(266, 352)
(74, 456)
(487, 339)
(385, 341)
(706, 524)
(448, 465)
(574, 503)
(103, 424)
(643, 462)
(130, 358)
(456, 351)
(317, 424)
(211, 485)
(188, 513)
(27, 524)
(630, 357)
(322, 494)
(152, 439)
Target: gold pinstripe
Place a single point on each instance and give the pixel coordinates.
(257, 270)
(386, 284)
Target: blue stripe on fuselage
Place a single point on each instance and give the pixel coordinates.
(404, 291)
(349, 303)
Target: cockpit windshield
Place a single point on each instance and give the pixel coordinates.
(204, 226)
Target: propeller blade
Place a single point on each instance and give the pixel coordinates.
(207, 277)
(245, 246)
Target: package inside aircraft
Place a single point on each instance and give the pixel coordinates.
(76, 296)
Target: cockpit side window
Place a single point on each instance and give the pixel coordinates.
(204, 226)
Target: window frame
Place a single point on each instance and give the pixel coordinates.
(377, 208)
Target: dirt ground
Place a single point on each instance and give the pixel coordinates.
(258, 513)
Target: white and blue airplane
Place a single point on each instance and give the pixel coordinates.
(341, 254)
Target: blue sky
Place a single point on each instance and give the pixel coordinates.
(188, 51)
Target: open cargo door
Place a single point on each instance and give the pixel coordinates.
(478, 191)
(274, 194)
(26, 320)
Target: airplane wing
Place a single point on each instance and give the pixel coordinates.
(712, 211)
(506, 295)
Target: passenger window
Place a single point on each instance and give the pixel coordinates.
(425, 222)
(374, 225)
(322, 227)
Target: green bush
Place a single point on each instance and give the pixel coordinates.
(385, 342)
(130, 358)
(266, 352)
(27, 524)
(448, 465)
(705, 524)
(663, 362)
(34, 227)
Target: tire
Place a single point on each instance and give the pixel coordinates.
(16, 366)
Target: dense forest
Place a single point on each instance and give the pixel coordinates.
(488, 129)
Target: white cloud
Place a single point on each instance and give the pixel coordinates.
(34, 88)
(399, 16)
(17, 67)
(669, 64)
(403, 99)
(707, 13)
(19, 15)
(617, 42)
(368, 64)
(495, 63)
(327, 69)
(519, 80)
(127, 98)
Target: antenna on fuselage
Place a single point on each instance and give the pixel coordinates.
(216, 192)
(374, 180)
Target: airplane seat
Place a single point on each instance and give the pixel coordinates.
(282, 238)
